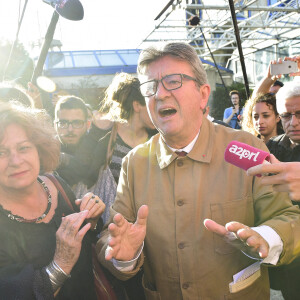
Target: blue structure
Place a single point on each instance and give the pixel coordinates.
(97, 62)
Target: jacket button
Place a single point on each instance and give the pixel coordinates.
(185, 285)
(180, 202)
(180, 163)
(181, 245)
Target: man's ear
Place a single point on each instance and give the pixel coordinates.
(278, 119)
(136, 106)
(205, 92)
(88, 124)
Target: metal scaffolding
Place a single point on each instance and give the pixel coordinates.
(262, 24)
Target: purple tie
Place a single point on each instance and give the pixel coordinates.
(181, 153)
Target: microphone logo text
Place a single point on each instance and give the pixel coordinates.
(243, 153)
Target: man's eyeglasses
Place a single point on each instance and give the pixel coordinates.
(64, 124)
(170, 82)
(288, 116)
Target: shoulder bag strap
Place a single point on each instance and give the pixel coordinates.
(111, 144)
(60, 189)
(103, 288)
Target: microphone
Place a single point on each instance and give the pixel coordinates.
(245, 156)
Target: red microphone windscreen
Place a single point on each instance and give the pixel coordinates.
(245, 156)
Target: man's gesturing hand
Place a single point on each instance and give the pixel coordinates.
(248, 237)
(126, 238)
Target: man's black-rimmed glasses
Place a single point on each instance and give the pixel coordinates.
(64, 124)
(170, 82)
(288, 116)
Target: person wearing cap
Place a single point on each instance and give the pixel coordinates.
(178, 180)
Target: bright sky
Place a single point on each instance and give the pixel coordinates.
(107, 24)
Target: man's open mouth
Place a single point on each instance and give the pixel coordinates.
(70, 136)
(165, 112)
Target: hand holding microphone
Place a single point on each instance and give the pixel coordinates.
(286, 176)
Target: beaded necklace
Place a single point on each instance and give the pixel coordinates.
(23, 220)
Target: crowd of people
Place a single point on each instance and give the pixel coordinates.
(148, 186)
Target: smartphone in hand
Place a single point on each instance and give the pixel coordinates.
(286, 67)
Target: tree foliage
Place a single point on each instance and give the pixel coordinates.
(20, 67)
(87, 89)
(221, 100)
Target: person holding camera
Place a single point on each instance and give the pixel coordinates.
(233, 114)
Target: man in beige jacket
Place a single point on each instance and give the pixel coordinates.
(163, 198)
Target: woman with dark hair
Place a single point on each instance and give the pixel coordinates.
(261, 117)
(126, 108)
(45, 248)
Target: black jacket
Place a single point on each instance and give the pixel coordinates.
(285, 278)
(280, 147)
(89, 156)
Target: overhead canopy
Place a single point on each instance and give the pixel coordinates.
(262, 23)
(80, 63)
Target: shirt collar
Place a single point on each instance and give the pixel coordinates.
(285, 142)
(187, 148)
(200, 149)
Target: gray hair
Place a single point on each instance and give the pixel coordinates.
(289, 90)
(180, 51)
